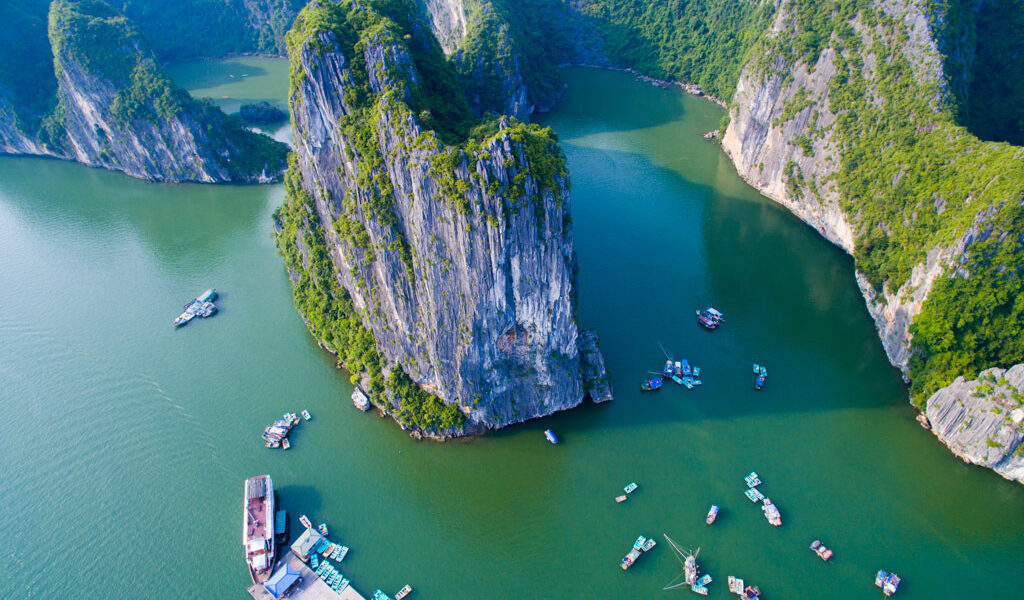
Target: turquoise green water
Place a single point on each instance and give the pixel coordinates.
(128, 442)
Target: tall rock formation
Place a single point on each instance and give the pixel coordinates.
(437, 262)
(94, 93)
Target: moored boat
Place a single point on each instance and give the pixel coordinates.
(305, 521)
(710, 318)
(550, 435)
(322, 528)
(650, 543)
(754, 495)
(258, 527)
(771, 513)
(668, 371)
(696, 371)
(639, 543)
(200, 306)
(712, 514)
(402, 593)
(650, 385)
(286, 444)
(306, 415)
(621, 499)
(629, 559)
(690, 569)
(629, 489)
(752, 480)
(677, 380)
(889, 582)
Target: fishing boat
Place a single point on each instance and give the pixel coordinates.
(712, 514)
(686, 370)
(752, 480)
(551, 436)
(759, 382)
(688, 382)
(735, 585)
(402, 593)
(629, 489)
(678, 368)
(696, 371)
(621, 499)
(771, 513)
(271, 444)
(710, 318)
(889, 582)
(650, 385)
(677, 380)
(690, 569)
(818, 548)
(650, 543)
(668, 371)
(305, 521)
(697, 382)
(306, 415)
(699, 589)
(751, 592)
(629, 559)
(754, 495)
(639, 543)
(258, 527)
(286, 444)
(322, 528)
(379, 595)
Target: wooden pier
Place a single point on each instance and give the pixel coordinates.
(310, 587)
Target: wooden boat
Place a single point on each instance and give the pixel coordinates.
(402, 593)
(712, 514)
(550, 435)
(639, 543)
(629, 489)
(305, 521)
(621, 499)
(629, 559)
(286, 444)
(650, 543)
(322, 528)
(306, 415)
(650, 385)
(889, 582)
(818, 548)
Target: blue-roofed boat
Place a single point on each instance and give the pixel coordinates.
(687, 370)
(759, 382)
(889, 582)
(677, 380)
(668, 371)
(696, 371)
(710, 318)
(551, 436)
(688, 382)
(650, 385)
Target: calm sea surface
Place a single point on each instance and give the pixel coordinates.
(126, 442)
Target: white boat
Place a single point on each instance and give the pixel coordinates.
(306, 415)
(629, 489)
(305, 521)
(621, 499)
(771, 513)
(322, 528)
(402, 593)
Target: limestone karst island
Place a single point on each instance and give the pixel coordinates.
(504, 299)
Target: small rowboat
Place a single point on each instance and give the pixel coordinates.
(712, 514)
(629, 489)
(306, 415)
(621, 499)
(402, 593)
(550, 435)
(305, 521)
(650, 543)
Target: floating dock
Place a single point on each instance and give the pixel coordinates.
(310, 587)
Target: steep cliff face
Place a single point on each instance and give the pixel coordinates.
(457, 259)
(448, 20)
(117, 110)
(981, 420)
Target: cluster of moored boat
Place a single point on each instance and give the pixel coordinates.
(771, 512)
(642, 544)
(200, 306)
(679, 371)
(760, 376)
(889, 582)
(276, 436)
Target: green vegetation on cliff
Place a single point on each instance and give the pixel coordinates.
(26, 65)
(333, 318)
(704, 42)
